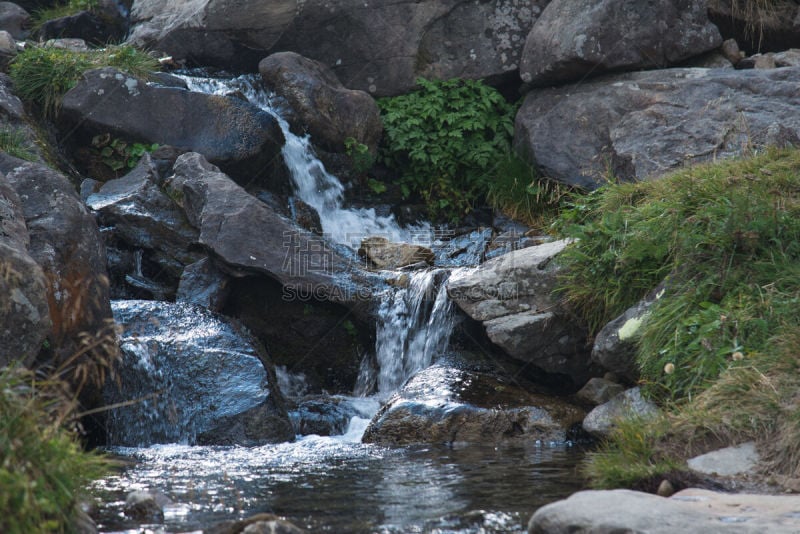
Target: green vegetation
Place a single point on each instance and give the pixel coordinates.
(118, 155)
(42, 467)
(725, 240)
(444, 140)
(361, 158)
(44, 75)
(14, 143)
(58, 11)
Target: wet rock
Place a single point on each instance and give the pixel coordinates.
(65, 242)
(204, 284)
(24, 312)
(456, 402)
(146, 505)
(137, 213)
(599, 391)
(14, 20)
(573, 39)
(305, 215)
(641, 125)
(689, 510)
(229, 132)
(195, 377)
(257, 524)
(331, 112)
(600, 421)
(725, 462)
(248, 237)
(383, 254)
(616, 344)
(327, 416)
(381, 48)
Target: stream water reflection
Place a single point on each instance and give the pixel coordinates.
(336, 485)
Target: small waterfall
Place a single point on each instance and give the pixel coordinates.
(414, 326)
(313, 184)
(415, 319)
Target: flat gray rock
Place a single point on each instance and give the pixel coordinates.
(728, 461)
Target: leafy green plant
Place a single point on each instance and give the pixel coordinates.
(361, 158)
(444, 140)
(14, 143)
(42, 75)
(42, 467)
(118, 155)
(724, 237)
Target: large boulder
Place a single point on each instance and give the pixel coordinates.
(250, 238)
(380, 47)
(229, 132)
(690, 510)
(513, 296)
(573, 39)
(24, 312)
(457, 401)
(15, 20)
(640, 125)
(195, 377)
(331, 112)
(137, 215)
(66, 243)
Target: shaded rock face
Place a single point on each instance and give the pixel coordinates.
(690, 510)
(645, 124)
(249, 237)
(24, 311)
(321, 339)
(331, 112)
(573, 39)
(380, 48)
(65, 242)
(229, 132)
(203, 380)
(137, 215)
(458, 402)
(777, 27)
(95, 28)
(14, 119)
(513, 296)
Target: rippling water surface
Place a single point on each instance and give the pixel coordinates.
(339, 485)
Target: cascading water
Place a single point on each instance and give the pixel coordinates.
(414, 319)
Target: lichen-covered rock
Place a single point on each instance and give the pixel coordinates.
(331, 112)
(573, 39)
(641, 125)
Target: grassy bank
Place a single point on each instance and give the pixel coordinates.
(43, 469)
(719, 350)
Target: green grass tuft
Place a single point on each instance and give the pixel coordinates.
(43, 75)
(43, 470)
(14, 143)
